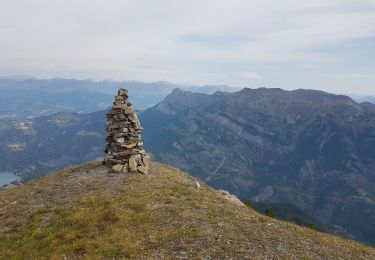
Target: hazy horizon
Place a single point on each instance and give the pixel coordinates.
(179, 85)
(323, 45)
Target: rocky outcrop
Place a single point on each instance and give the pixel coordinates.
(230, 197)
(124, 150)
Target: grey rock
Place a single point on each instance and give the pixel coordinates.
(118, 167)
(142, 169)
(230, 197)
(132, 164)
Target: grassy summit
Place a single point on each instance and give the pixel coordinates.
(86, 212)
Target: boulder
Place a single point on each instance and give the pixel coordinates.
(230, 197)
(129, 146)
(132, 164)
(142, 169)
(120, 140)
(146, 161)
(118, 167)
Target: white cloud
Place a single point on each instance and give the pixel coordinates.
(250, 75)
(183, 41)
(354, 75)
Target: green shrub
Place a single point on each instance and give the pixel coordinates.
(270, 212)
(311, 225)
(248, 203)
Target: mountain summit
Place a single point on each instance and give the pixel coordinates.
(86, 212)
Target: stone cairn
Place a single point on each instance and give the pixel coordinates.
(124, 150)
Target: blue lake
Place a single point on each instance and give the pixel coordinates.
(6, 178)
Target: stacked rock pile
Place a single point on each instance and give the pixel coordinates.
(124, 150)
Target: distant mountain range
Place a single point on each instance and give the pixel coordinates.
(362, 98)
(307, 148)
(23, 97)
(366, 99)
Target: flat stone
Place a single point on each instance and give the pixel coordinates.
(129, 146)
(146, 161)
(118, 167)
(122, 92)
(133, 118)
(196, 185)
(230, 197)
(120, 140)
(132, 164)
(128, 111)
(120, 106)
(114, 161)
(142, 169)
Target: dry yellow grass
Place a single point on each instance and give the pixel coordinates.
(84, 212)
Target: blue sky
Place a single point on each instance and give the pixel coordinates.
(320, 44)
